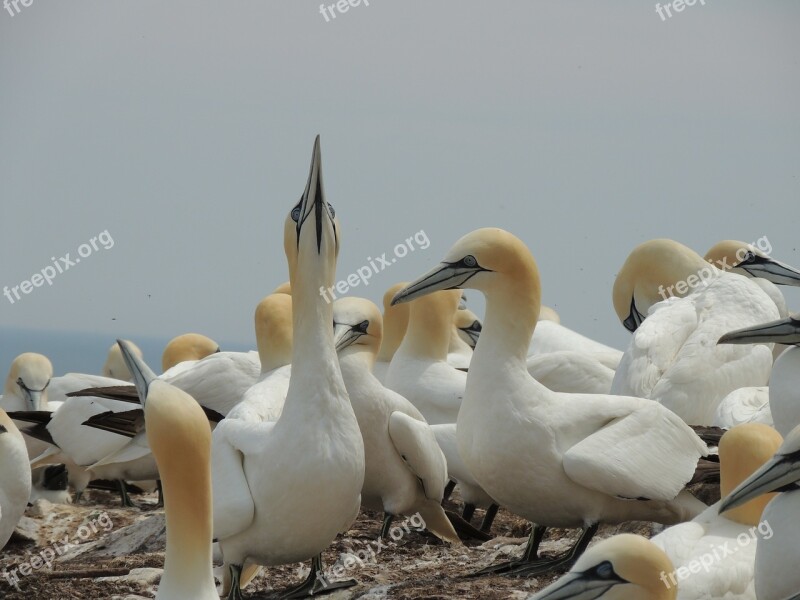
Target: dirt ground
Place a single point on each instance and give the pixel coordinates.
(105, 551)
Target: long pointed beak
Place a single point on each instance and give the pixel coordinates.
(313, 204)
(578, 586)
(770, 269)
(781, 471)
(143, 376)
(344, 335)
(782, 331)
(444, 277)
(35, 398)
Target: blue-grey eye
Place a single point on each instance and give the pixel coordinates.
(604, 570)
(363, 326)
(469, 261)
(330, 208)
(476, 326)
(748, 258)
(296, 213)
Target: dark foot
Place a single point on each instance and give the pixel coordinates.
(469, 510)
(563, 561)
(464, 529)
(488, 518)
(316, 584)
(448, 489)
(160, 503)
(236, 575)
(387, 523)
(123, 493)
(529, 557)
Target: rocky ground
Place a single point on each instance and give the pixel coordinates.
(100, 550)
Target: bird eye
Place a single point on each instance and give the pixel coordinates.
(748, 258)
(330, 208)
(476, 326)
(604, 570)
(296, 212)
(469, 261)
(363, 326)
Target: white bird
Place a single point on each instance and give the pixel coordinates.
(26, 390)
(776, 573)
(622, 567)
(115, 367)
(283, 490)
(395, 323)
(467, 323)
(264, 400)
(750, 261)
(180, 438)
(784, 382)
(187, 347)
(15, 477)
(559, 460)
(742, 451)
(673, 357)
(419, 370)
(405, 471)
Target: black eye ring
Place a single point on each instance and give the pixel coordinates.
(330, 208)
(363, 326)
(748, 257)
(469, 261)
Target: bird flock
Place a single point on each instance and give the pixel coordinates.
(265, 457)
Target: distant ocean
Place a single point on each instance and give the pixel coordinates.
(80, 352)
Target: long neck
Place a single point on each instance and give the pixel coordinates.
(395, 323)
(512, 309)
(428, 334)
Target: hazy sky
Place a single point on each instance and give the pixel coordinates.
(184, 130)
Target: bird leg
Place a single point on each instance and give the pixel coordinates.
(488, 518)
(565, 560)
(236, 573)
(160, 503)
(469, 510)
(448, 489)
(316, 583)
(123, 493)
(387, 523)
(529, 557)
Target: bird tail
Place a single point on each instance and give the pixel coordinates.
(437, 523)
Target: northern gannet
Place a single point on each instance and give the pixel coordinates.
(115, 366)
(750, 261)
(180, 439)
(419, 370)
(784, 382)
(405, 471)
(395, 323)
(673, 357)
(559, 460)
(187, 347)
(26, 390)
(549, 314)
(291, 486)
(745, 405)
(742, 451)
(776, 573)
(15, 477)
(623, 567)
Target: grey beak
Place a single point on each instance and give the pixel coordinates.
(770, 269)
(446, 276)
(782, 331)
(313, 205)
(143, 376)
(576, 586)
(781, 471)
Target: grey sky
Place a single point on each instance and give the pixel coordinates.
(185, 130)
